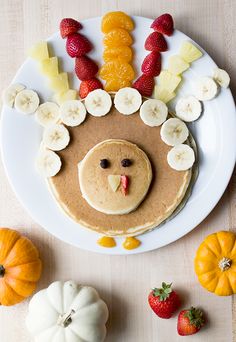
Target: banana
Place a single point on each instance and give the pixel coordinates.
(27, 101)
(221, 77)
(181, 157)
(127, 100)
(98, 102)
(47, 114)
(48, 163)
(56, 137)
(205, 89)
(73, 113)
(10, 93)
(153, 112)
(188, 108)
(174, 132)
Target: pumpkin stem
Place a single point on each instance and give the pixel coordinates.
(225, 264)
(65, 320)
(2, 271)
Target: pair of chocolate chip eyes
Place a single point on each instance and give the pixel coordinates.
(104, 163)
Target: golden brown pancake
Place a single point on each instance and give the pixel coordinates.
(166, 191)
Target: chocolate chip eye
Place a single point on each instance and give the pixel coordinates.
(104, 163)
(126, 162)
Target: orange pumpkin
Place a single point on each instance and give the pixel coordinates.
(20, 267)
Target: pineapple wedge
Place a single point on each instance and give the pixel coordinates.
(49, 67)
(169, 81)
(39, 51)
(189, 52)
(163, 94)
(67, 95)
(177, 65)
(59, 83)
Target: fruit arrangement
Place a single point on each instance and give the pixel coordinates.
(78, 46)
(117, 70)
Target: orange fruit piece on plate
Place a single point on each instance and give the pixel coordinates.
(115, 84)
(117, 37)
(121, 53)
(116, 19)
(117, 70)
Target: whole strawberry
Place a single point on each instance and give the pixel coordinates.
(69, 26)
(190, 321)
(85, 68)
(164, 24)
(89, 85)
(144, 84)
(155, 42)
(151, 65)
(77, 45)
(164, 301)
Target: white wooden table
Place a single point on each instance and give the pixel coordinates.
(123, 282)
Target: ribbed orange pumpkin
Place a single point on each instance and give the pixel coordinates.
(20, 267)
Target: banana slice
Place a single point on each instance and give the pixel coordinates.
(98, 102)
(127, 100)
(221, 77)
(48, 163)
(174, 132)
(73, 113)
(10, 93)
(56, 137)
(153, 112)
(27, 101)
(47, 114)
(205, 89)
(188, 108)
(181, 157)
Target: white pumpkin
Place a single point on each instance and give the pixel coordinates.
(67, 312)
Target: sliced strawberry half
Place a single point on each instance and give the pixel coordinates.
(77, 45)
(85, 68)
(124, 184)
(156, 42)
(164, 24)
(69, 26)
(89, 85)
(144, 84)
(152, 64)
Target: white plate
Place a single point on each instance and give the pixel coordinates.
(214, 133)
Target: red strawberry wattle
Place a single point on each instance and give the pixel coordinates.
(124, 184)
(77, 45)
(69, 26)
(155, 42)
(85, 68)
(164, 24)
(89, 85)
(144, 84)
(151, 65)
(164, 301)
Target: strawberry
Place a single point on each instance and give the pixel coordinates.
(144, 84)
(69, 26)
(164, 24)
(151, 65)
(77, 45)
(88, 86)
(155, 42)
(164, 301)
(124, 184)
(190, 321)
(85, 68)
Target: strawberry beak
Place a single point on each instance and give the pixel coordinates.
(124, 184)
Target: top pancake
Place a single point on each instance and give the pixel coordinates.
(166, 191)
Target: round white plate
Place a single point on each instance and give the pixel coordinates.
(214, 133)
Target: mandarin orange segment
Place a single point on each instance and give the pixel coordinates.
(117, 69)
(117, 37)
(115, 84)
(120, 53)
(116, 20)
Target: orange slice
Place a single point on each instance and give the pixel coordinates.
(120, 53)
(117, 37)
(117, 69)
(116, 20)
(116, 83)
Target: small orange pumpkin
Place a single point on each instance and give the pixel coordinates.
(215, 263)
(20, 267)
